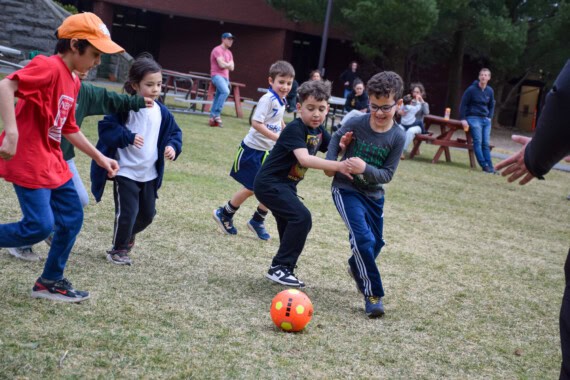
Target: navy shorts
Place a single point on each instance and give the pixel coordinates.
(247, 163)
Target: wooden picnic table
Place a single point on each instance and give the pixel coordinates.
(445, 139)
(337, 106)
(235, 92)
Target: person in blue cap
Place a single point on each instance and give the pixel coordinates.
(221, 63)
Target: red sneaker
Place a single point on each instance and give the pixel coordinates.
(212, 122)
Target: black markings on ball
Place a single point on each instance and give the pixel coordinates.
(289, 303)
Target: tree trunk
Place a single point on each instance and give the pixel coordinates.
(453, 98)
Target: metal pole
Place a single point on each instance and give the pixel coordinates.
(325, 37)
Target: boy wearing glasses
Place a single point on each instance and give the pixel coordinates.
(372, 157)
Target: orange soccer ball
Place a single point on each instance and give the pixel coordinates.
(291, 310)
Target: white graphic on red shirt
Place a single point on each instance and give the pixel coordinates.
(65, 104)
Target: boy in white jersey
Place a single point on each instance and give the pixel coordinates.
(267, 123)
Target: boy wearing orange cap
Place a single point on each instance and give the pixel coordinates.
(30, 154)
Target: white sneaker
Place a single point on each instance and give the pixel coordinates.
(284, 275)
(24, 253)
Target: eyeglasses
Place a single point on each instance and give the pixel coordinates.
(385, 109)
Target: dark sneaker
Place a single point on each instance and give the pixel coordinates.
(258, 229)
(373, 306)
(61, 290)
(119, 257)
(24, 253)
(351, 274)
(489, 169)
(284, 275)
(226, 224)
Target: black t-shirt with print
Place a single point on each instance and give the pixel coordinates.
(282, 166)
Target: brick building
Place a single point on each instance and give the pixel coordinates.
(181, 34)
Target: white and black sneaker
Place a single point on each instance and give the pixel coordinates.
(284, 275)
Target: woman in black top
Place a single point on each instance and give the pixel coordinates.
(357, 99)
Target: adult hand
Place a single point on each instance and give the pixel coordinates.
(8, 147)
(356, 165)
(139, 141)
(169, 153)
(419, 98)
(514, 165)
(148, 102)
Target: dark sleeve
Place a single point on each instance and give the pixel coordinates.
(465, 99)
(334, 148)
(293, 136)
(104, 102)
(113, 134)
(491, 105)
(363, 102)
(326, 140)
(175, 138)
(551, 141)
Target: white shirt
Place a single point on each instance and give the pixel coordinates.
(269, 111)
(139, 164)
(410, 116)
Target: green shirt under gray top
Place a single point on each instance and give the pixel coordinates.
(93, 100)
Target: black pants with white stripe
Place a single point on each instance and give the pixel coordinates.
(364, 218)
(134, 208)
(293, 221)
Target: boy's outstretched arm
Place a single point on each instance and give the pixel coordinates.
(308, 161)
(80, 142)
(8, 114)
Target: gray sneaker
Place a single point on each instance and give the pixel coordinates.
(119, 257)
(24, 253)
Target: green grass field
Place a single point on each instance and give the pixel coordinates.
(473, 273)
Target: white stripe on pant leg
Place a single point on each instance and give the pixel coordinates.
(117, 215)
(337, 198)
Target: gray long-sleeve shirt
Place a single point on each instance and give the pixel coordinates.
(380, 150)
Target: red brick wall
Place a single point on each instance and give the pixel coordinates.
(186, 45)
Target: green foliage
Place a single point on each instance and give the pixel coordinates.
(390, 24)
(68, 7)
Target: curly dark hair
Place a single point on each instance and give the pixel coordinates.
(318, 89)
(384, 84)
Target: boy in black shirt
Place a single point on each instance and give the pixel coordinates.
(276, 183)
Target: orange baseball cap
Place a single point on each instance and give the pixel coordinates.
(88, 26)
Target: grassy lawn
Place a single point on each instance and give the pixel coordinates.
(473, 272)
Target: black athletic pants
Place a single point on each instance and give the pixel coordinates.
(293, 221)
(134, 208)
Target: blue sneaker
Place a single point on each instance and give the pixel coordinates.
(226, 224)
(373, 306)
(258, 229)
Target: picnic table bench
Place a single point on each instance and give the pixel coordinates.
(198, 90)
(445, 139)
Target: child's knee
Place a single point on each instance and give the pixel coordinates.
(39, 230)
(305, 219)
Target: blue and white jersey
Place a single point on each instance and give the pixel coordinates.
(269, 111)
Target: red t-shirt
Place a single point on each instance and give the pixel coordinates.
(47, 91)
